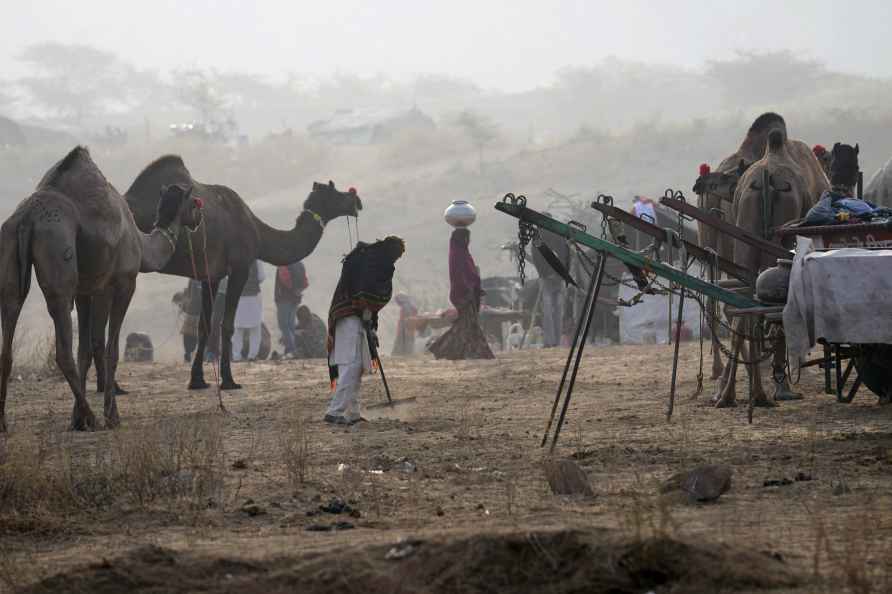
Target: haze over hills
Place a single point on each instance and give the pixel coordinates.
(517, 120)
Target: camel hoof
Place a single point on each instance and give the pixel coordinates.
(786, 395)
(3, 428)
(112, 422)
(763, 403)
(198, 385)
(726, 403)
(230, 385)
(119, 391)
(83, 422)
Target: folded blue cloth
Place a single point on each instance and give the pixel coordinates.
(831, 204)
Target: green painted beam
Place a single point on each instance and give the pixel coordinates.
(627, 256)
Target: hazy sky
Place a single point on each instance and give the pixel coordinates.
(501, 44)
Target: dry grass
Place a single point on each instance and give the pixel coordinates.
(46, 481)
(474, 436)
(34, 356)
(296, 449)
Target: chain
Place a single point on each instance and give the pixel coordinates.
(525, 233)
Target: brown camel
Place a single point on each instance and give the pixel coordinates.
(79, 235)
(716, 189)
(229, 239)
(772, 192)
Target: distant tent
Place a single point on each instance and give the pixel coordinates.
(369, 126)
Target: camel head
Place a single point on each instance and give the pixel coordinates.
(771, 193)
(330, 203)
(756, 141)
(844, 165)
(177, 202)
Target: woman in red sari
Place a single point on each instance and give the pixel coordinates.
(465, 339)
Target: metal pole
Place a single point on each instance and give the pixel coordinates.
(576, 340)
(602, 261)
(675, 356)
(373, 351)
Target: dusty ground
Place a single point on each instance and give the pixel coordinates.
(474, 437)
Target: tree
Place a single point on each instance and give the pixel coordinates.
(480, 130)
(765, 78)
(75, 81)
(200, 91)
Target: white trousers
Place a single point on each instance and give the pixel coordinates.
(351, 355)
(552, 310)
(238, 338)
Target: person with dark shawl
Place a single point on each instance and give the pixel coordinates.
(365, 286)
(465, 339)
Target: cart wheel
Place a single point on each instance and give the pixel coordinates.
(874, 365)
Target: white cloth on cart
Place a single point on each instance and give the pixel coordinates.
(838, 295)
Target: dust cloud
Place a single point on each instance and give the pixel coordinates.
(416, 106)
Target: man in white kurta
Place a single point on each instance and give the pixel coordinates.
(352, 357)
(249, 315)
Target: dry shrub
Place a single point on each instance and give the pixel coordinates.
(467, 423)
(45, 480)
(181, 460)
(35, 359)
(296, 450)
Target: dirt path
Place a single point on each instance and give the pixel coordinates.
(473, 438)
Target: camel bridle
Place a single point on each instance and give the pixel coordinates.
(316, 217)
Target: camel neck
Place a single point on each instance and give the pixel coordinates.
(158, 246)
(281, 248)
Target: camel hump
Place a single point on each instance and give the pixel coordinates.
(775, 140)
(167, 169)
(768, 121)
(78, 157)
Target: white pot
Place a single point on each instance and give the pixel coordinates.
(460, 213)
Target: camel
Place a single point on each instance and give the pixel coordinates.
(777, 177)
(879, 188)
(716, 190)
(80, 237)
(229, 239)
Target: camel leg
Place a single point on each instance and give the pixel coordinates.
(782, 389)
(207, 305)
(117, 311)
(59, 307)
(237, 279)
(99, 316)
(757, 392)
(84, 305)
(727, 397)
(10, 308)
(718, 368)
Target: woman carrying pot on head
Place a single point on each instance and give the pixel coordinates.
(465, 339)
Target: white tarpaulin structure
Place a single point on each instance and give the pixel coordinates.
(838, 295)
(648, 321)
